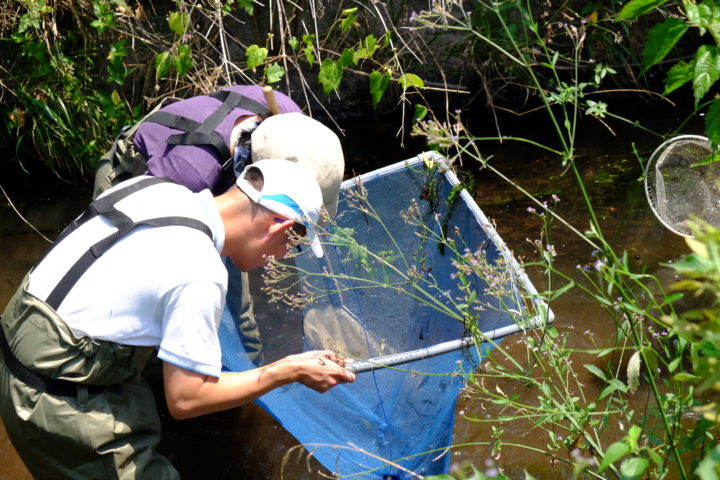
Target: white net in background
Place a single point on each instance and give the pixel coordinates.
(678, 189)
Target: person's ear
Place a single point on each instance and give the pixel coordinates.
(276, 228)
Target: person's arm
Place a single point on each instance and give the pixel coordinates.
(189, 394)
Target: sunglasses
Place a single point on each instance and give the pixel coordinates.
(298, 228)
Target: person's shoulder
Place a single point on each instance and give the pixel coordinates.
(189, 257)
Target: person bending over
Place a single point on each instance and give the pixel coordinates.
(141, 272)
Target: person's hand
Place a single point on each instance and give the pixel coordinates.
(319, 369)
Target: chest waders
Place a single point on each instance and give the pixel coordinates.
(75, 407)
(123, 161)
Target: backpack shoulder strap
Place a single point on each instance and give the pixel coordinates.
(204, 133)
(105, 206)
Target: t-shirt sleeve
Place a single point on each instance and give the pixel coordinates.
(191, 319)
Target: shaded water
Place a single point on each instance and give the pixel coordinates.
(247, 443)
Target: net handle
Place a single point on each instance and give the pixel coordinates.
(438, 349)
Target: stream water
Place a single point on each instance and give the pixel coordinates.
(247, 443)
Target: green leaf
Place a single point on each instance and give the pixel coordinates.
(115, 97)
(636, 8)
(707, 469)
(686, 377)
(707, 70)
(347, 58)
(330, 75)
(309, 55)
(613, 452)
(246, 5)
(661, 40)
(378, 85)
(633, 436)
(655, 457)
(366, 48)
(633, 372)
(386, 39)
(706, 16)
(562, 290)
(678, 75)
(274, 72)
(162, 64)
(255, 55)
(183, 61)
(349, 20)
(713, 157)
(613, 385)
(692, 13)
(712, 122)
(370, 45)
(634, 467)
(595, 371)
(420, 113)
(178, 22)
(294, 43)
(411, 80)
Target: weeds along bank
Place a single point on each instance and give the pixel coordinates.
(75, 72)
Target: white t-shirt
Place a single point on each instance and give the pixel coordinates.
(157, 286)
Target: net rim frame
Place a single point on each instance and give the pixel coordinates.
(544, 315)
(651, 162)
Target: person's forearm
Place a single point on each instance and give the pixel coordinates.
(189, 394)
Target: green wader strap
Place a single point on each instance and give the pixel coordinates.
(105, 206)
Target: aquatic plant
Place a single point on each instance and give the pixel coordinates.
(662, 436)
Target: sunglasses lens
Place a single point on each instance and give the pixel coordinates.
(299, 229)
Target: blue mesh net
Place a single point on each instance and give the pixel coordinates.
(389, 284)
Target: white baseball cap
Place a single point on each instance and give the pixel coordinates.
(301, 139)
(291, 190)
